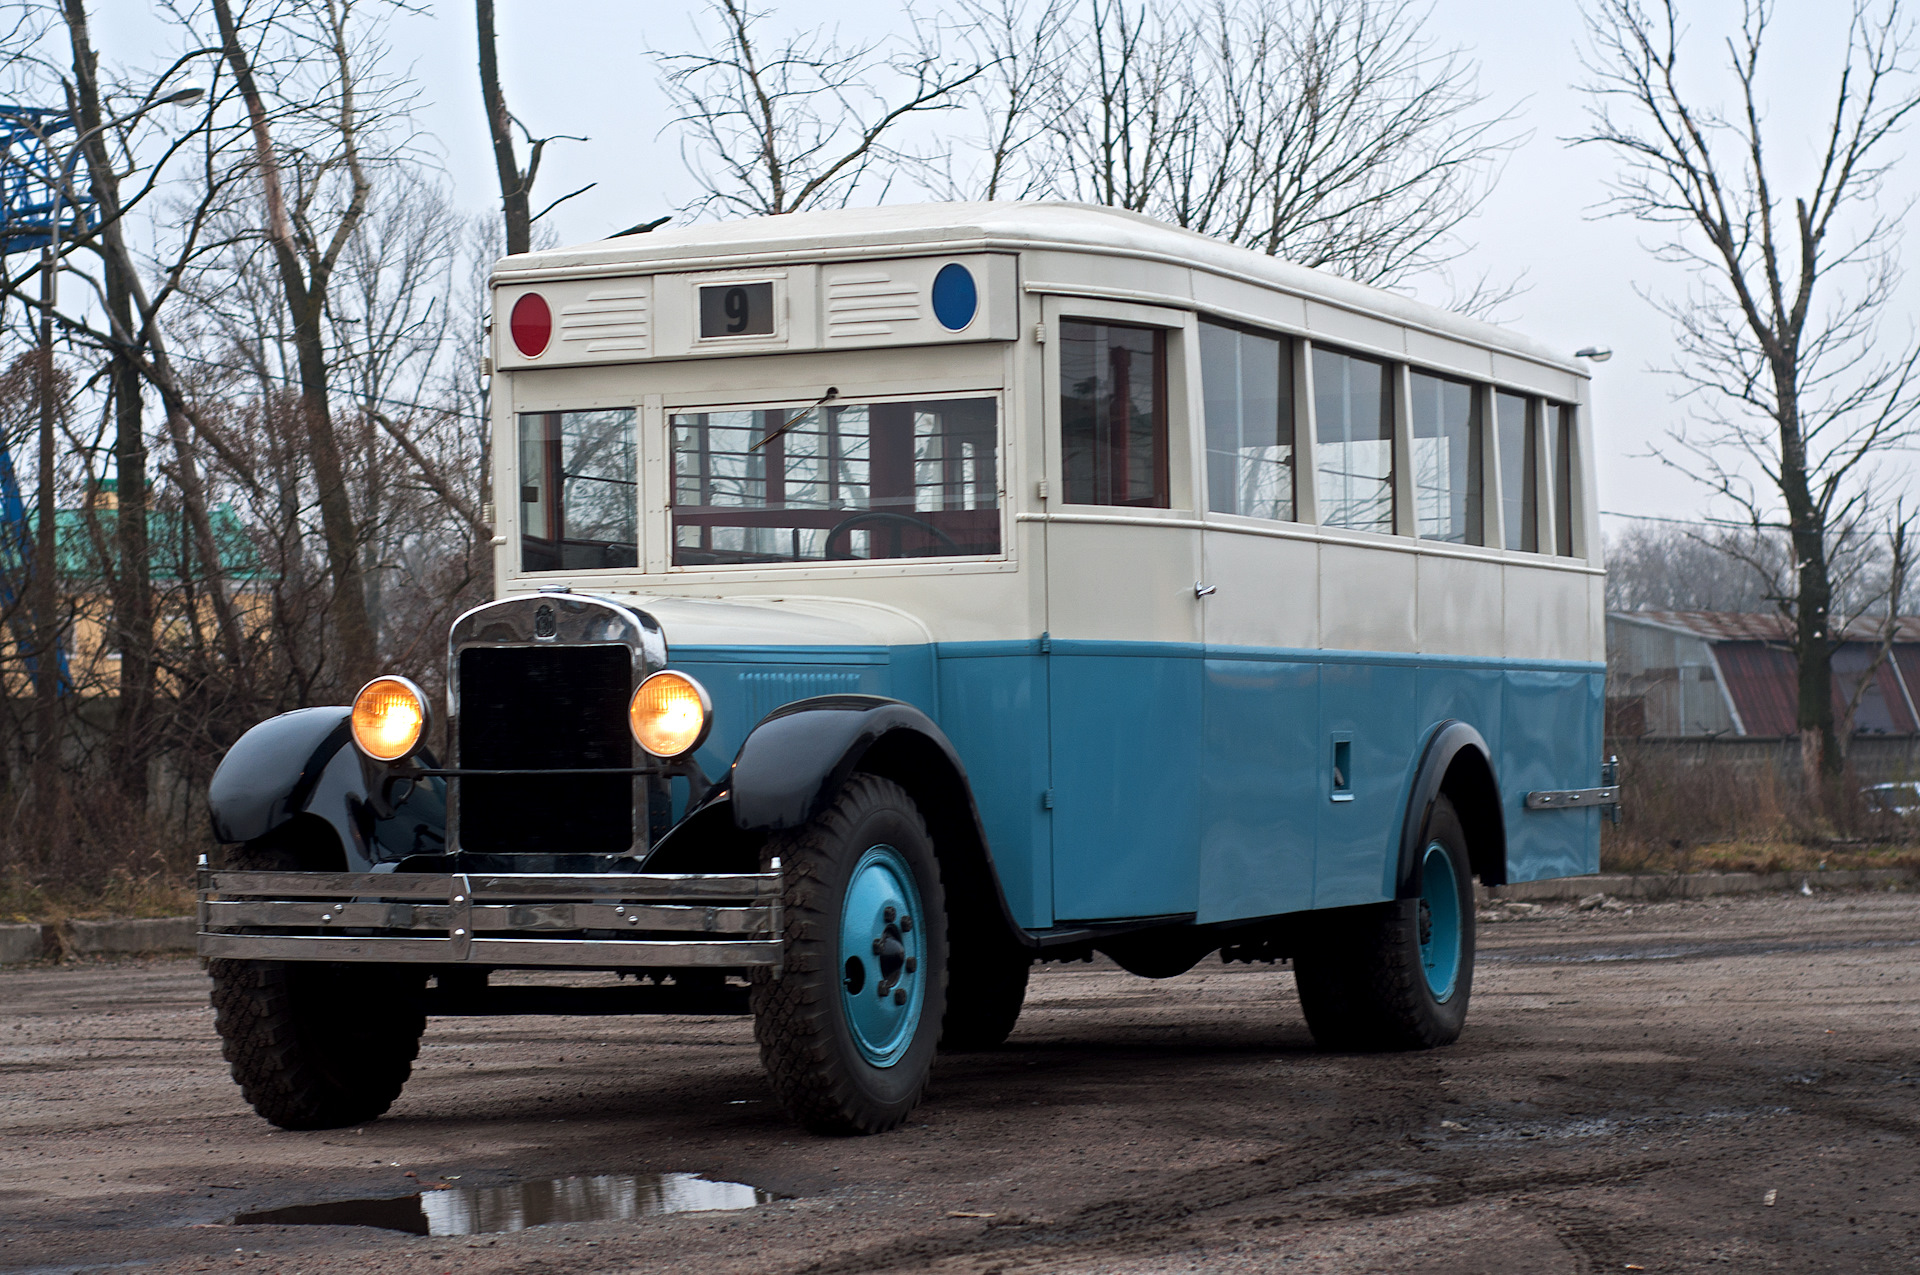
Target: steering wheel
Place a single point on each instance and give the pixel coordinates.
(896, 521)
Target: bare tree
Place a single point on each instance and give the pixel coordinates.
(1795, 398)
(1334, 133)
(1023, 49)
(805, 123)
(516, 183)
(1664, 567)
(306, 229)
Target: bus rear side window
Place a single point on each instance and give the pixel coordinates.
(578, 491)
(1353, 441)
(1519, 471)
(1113, 414)
(840, 483)
(1447, 460)
(1563, 484)
(1247, 381)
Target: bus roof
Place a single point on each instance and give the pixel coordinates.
(853, 233)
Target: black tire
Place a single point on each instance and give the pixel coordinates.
(986, 987)
(801, 1019)
(1362, 982)
(316, 1045)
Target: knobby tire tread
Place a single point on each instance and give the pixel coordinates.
(796, 1016)
(318, 1047)
(1361, 984)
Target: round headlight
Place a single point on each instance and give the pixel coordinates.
(670, 714)
(389, 718)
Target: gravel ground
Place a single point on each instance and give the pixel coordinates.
(1683, 1086)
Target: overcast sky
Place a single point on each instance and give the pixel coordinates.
(583, 67)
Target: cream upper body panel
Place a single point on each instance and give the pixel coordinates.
(1116, 574)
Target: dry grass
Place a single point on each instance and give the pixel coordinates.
(92, 857)
(1709, 813)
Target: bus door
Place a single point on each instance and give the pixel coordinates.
(1124, 659)
(1260, 714)
(1260, 618)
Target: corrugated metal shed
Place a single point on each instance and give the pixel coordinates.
(1665, 669)
(1760, 679)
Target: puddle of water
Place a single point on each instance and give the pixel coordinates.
(481, 1210)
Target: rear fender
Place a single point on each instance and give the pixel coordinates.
(1457, 765)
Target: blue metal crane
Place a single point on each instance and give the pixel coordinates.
(29, 196)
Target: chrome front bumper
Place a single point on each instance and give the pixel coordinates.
(590, 921)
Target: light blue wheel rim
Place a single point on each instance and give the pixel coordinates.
(1440, 921)
(883, 952)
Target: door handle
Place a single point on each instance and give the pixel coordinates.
(1201, 590)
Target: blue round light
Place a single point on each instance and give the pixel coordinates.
(955, 299)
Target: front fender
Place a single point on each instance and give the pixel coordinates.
(796, 759)
(271, 772)
(304, 763)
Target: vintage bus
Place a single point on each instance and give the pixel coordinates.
(891, 598)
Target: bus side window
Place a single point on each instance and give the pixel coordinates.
(1113, 414)
(1519, 471)
(1353, 441)
(1247, 381)
(1563, 482)
(1447, 460)
(578, 474)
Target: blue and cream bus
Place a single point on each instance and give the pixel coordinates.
(889, 599)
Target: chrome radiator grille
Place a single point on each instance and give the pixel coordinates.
(539, 708)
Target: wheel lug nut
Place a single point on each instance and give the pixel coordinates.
(906, 925)
(900, 996)
(912, 964)
(888, 914)
(878, 944)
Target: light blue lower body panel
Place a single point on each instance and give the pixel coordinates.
(993, 707)
(1132, 779)
(1370, 707)
(1550, 739)
(1126, 800)
(1260, 788)
(748, 682)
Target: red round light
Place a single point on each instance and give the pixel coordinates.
(531, 324)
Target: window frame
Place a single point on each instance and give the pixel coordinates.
(1181, 328)
(1395, 372)
(1291, 355)
(658, 453)
(1479, 405)
(552, 453)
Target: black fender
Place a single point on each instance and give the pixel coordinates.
(1457, 764)
(303, 765)
(794, 762)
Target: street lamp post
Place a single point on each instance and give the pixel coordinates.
(46, 670)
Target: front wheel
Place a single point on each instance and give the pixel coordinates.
(1397, 975)
(847, 1031)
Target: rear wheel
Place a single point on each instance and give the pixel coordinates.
(315, 1045)
(847, 1032)
(1397, 975)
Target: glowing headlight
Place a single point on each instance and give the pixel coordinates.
(389, 718)
(670, 714)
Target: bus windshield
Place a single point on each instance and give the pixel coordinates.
(839, 482)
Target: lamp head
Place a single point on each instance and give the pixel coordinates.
(1596, 353)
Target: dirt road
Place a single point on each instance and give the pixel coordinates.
(1715, 1085)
